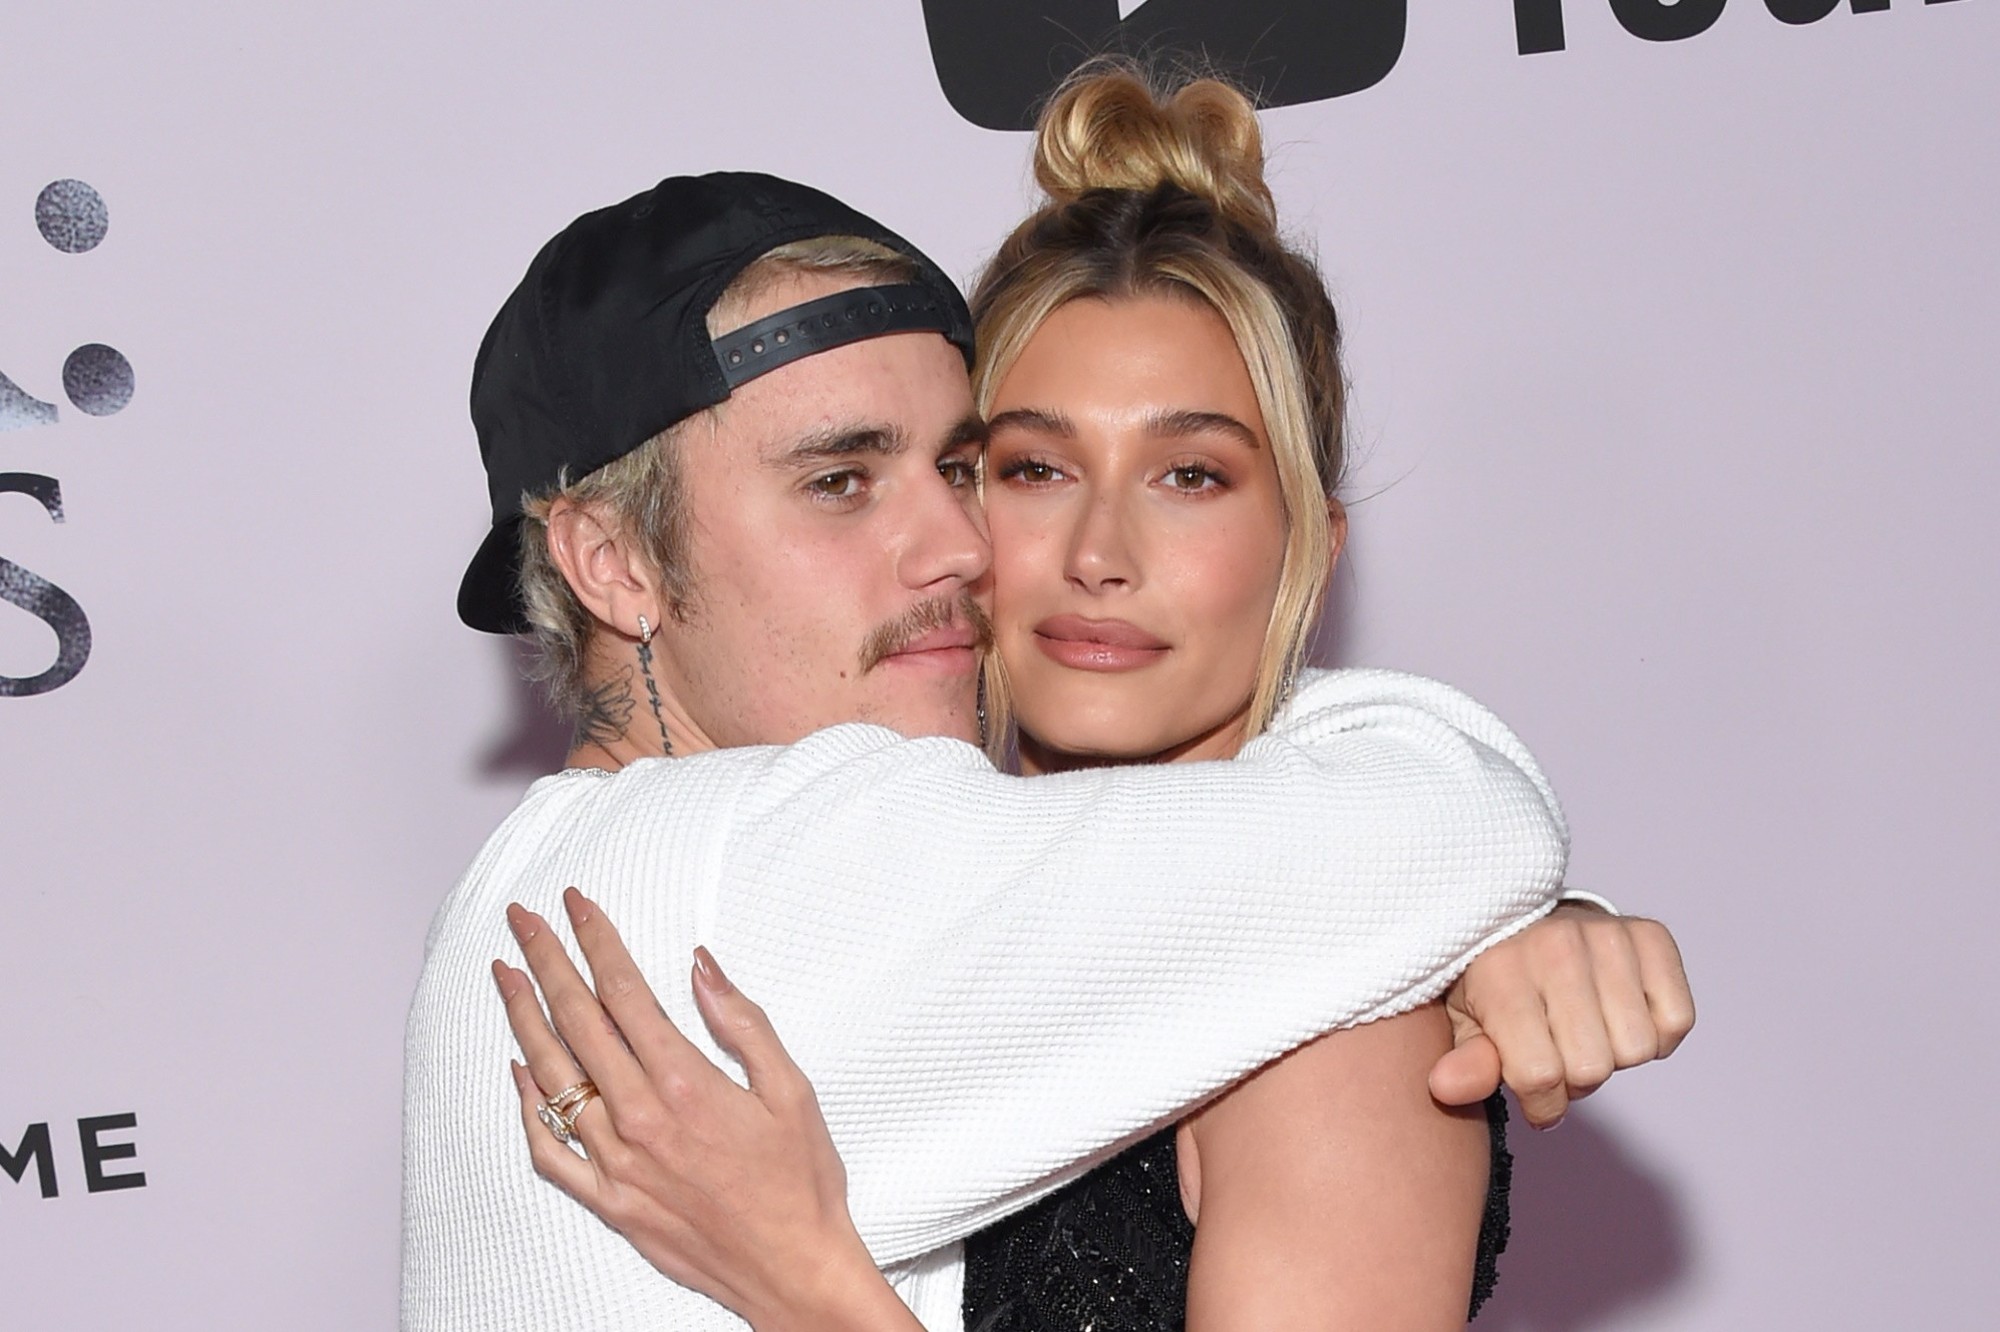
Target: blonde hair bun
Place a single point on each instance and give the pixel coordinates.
(1110, 128)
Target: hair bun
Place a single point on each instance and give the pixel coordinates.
(1108, 128)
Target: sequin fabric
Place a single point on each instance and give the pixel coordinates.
(1106, 1252)
(1109, 1252)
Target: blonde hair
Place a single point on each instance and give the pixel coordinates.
(642, 491)
(1160, 190)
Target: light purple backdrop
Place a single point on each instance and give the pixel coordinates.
(1675, 384)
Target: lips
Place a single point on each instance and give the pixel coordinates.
(1098, 645)
(938, 640)
(951, 648)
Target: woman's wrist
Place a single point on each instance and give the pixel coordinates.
(849, 1295)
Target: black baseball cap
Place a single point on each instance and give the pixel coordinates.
(605, 342)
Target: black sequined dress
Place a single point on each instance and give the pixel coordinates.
(1109, 1251)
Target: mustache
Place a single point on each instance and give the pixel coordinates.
(886, 640)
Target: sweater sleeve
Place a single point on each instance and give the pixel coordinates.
(994, 981)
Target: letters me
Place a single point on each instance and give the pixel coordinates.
(34, 1148)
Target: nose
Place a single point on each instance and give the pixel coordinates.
(1100, 557)
(947, 548)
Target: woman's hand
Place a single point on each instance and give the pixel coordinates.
(1559, 1006)
(738, 1194)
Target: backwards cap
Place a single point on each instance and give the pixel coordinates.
(605, 342)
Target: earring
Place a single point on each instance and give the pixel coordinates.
(652, 686)
(1284, 697)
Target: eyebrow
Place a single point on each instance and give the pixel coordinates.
(972, 428)
(1167, 423)
(881, 440)
(844, 440)
(1038, 419)
(1174, 424)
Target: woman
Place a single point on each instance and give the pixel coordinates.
(1161, 375)
(1162, 380)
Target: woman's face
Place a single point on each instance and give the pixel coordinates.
(1138, 533)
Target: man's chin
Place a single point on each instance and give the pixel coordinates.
(920, 713)
(956, 726)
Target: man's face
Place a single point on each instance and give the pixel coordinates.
(836, 542)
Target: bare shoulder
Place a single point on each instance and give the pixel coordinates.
(1330, 1190)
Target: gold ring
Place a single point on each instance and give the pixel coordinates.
(573, 1095)
(559, 1112)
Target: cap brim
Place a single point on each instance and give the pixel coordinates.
(489, 597)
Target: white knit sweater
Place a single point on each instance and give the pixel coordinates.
(993, 981)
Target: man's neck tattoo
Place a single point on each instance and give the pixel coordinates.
(653, 693)
(606, 711)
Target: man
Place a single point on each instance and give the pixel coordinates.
(739, 414)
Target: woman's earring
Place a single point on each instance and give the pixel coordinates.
(1284, 698)
(652, 686)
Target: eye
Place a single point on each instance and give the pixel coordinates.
(959, 473)
(845, 483)
(1192, 478)
(1031, 472)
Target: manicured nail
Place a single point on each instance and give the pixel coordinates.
(522, 1079)
(503, 976)
(525, 923)
(1551, 1126)
(580, 908)
(711, 974)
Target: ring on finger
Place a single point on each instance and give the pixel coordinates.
(560, 1111)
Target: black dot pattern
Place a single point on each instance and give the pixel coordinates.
(98, 379)
(71, 216)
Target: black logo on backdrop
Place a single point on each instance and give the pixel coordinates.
(98, 382)
(998, 60)
(43, 599)
(1538, 24)
(36, 1149)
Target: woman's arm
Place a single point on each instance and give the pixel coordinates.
(1330, 1190)
(732, 1191)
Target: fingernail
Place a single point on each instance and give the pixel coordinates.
(521, 1078)
(711, 974)
(580, 908)
(503, 978)
(1551, 1126)
(525, 923)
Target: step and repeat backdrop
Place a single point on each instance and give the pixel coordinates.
(1673, 344)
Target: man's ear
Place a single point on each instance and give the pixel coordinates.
(603, 567)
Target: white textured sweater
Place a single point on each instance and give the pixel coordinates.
(992, 981)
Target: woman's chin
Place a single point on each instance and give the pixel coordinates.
(1075, 743)
(1149, 727)
(1071, 718)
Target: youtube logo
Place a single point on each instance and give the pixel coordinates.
(998, 60)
